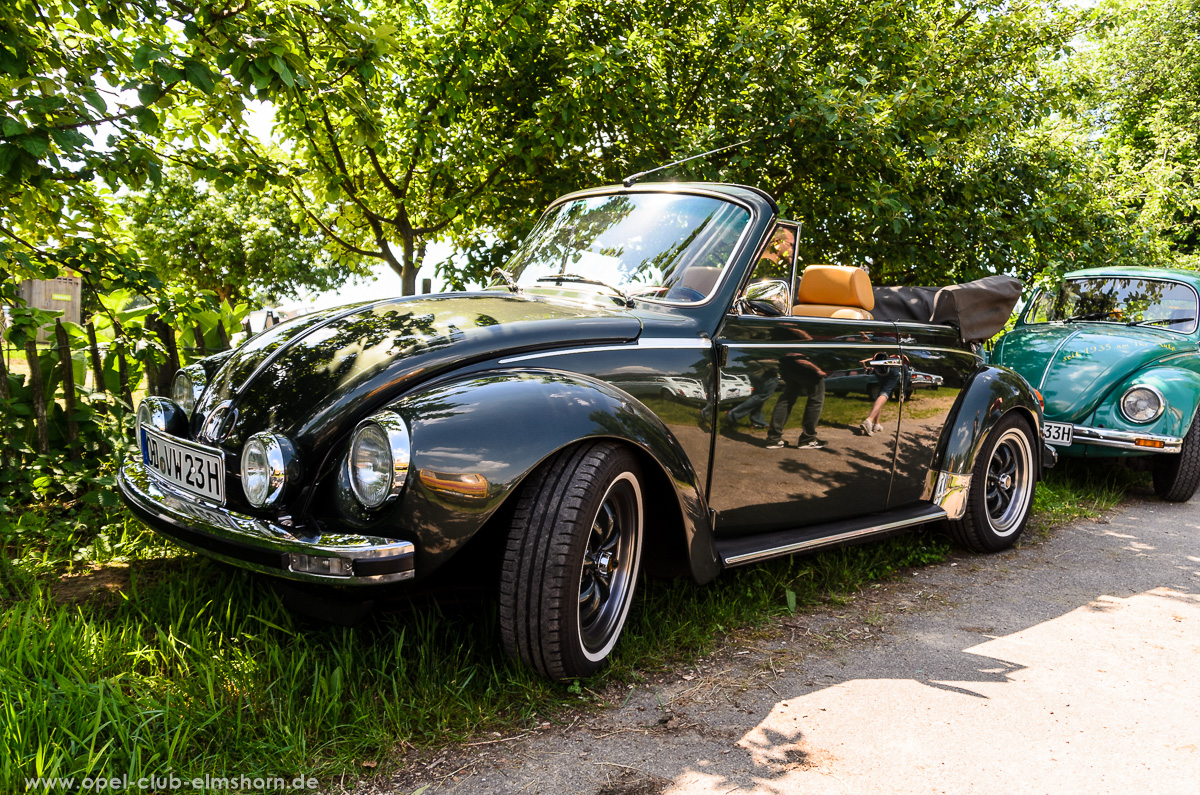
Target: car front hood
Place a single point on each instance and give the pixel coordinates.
(311, 378)
(1076, 365)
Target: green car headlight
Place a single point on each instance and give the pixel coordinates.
(1142, 404)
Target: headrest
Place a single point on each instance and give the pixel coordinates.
(842, 285)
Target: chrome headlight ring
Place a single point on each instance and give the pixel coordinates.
(1141, 392)
(188, 386)
(379, 458)
(269, 464)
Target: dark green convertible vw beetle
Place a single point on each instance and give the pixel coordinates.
(537, 419)
(1114, 353)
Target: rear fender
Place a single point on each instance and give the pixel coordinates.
(990, 394)
(474, 440)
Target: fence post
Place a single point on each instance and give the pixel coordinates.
(5, 395)
(167, 374)
(39, 402)
(199, 335)
(68, 379)
(122, 368)
(94, 348)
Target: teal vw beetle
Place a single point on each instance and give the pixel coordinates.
(1114, 353)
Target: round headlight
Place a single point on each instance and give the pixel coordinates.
(379, 457)
(1142, 404)
(266, 459)
(187, 387)
(145, 416)
(162, 415)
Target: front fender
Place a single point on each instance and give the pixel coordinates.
(475, 439)
(992, 392)
(1180, 389)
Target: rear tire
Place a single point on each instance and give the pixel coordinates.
(1176, 476)
(1002, 484)
(572, 560)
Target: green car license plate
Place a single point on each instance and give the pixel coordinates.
(1058, 433)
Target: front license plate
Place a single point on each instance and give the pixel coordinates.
(184, 464)
(1059, 433)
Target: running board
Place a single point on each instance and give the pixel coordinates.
(752, 549)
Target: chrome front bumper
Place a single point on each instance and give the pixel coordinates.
(1126, 440)
(260, 545)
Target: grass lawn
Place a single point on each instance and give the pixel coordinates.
(119, 654)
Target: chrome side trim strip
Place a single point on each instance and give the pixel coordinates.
(813, 344)
(663, 343)
(1124, 440)
(815, 543)
(819, 344)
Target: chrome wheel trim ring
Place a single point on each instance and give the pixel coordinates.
(607, 576)
(1008, 487)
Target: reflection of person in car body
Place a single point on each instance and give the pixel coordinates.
(887, 371)
(764, 380)
(801, 376)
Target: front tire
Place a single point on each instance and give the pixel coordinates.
(572, 560)
(1001, 494)
(1176, 476)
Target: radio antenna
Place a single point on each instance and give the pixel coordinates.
(633, 178)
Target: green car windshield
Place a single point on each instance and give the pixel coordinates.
(1131, 301)
(661, 246)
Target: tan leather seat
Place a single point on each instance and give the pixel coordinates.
(839, 291)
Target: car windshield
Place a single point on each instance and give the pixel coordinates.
(667, 246)
(1132, 301)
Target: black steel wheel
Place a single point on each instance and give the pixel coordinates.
(1176, 475)
(572, 560)
(1001, 494)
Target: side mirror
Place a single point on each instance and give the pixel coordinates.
(771, 298)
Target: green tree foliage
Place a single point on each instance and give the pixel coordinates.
(100, 93)
(915, 135)
(451, 120)
(237, 242)
(1145, 75)
(912, 135)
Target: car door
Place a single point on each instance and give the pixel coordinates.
(933, 351)
(794, 365)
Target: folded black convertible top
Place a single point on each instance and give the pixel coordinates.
(978, 309)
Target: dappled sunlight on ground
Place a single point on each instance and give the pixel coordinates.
(1102, 698)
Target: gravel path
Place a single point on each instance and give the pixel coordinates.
(1069, 665)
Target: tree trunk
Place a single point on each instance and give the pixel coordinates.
(408, 275)
(166, 373)
(68, 380)
(39, 402)
(94, 349)
(199, 335)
